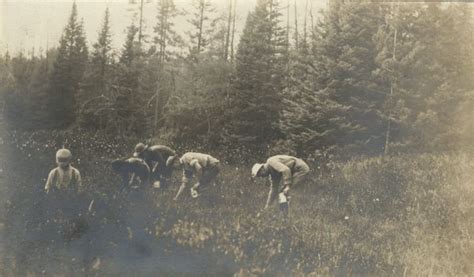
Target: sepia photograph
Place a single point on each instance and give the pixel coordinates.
(236, 138)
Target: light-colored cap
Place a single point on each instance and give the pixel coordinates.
(256, 168)
(63, 156)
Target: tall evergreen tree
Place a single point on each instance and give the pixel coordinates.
(333, 98)
(255, 103)
(128, 104)
(430, 74)
(204, 24)
(68, 71)
(101, 57)
(166, 37)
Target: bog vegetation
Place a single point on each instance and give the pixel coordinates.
(378, 98)
(402, 215)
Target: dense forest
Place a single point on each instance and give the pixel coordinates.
(359, 78)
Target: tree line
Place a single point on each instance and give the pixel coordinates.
(362, 77)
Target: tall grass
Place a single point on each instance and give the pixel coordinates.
(408, 215)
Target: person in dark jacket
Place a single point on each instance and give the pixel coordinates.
(131, 169)
(160, 159)
(283, 172)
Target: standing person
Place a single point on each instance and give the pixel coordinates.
(203, 166)
(64, 186)
(65, 176)
(160, 159)
(283, 172)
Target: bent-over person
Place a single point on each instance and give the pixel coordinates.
(203, 166)
(131, 169)
(160, 159)
(283, 172)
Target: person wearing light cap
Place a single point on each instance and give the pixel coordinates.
(66, 201)
(203, 166)
(160, 159)
(287, 170)
(64, 176)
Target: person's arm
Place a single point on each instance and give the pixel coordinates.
(197, 169)
(186, 179)
(285, 173)
(79, 181)
(271, 194)
(131, 179)
(49, 181)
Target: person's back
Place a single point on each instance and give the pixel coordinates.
(190, 158)
(158, 153)
(203, 166)
(63, 178)
(129, 169)
(284, 171)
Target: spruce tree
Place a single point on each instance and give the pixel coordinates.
(166, 37)
(67, 72)
(430, 75)
(203, 26)
(333, 99)
(101, 57)
(255, 102)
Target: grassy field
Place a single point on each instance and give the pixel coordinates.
(407, 215)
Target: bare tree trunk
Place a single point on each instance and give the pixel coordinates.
(233, 32)
(201, 22)
(304, 24)
(227, 38)
(157, 102)
(312, 20)
(163, 32)
(140, 23)
(296, 26)
(163, 52)
(288, 45)
(394, 58)
(288, 24)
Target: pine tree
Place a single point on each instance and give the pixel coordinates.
(333, 99)
(7, 80)
(68, 71)
(166, 37)
(430, 74)
(130, 49)
(128, 104)
(255, 103)
(203, 26)
(38, 93)
(101, 57)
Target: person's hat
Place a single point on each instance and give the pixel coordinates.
(256, 168)
(63, 156)
(139, 148)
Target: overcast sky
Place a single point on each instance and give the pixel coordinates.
(25, 24)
